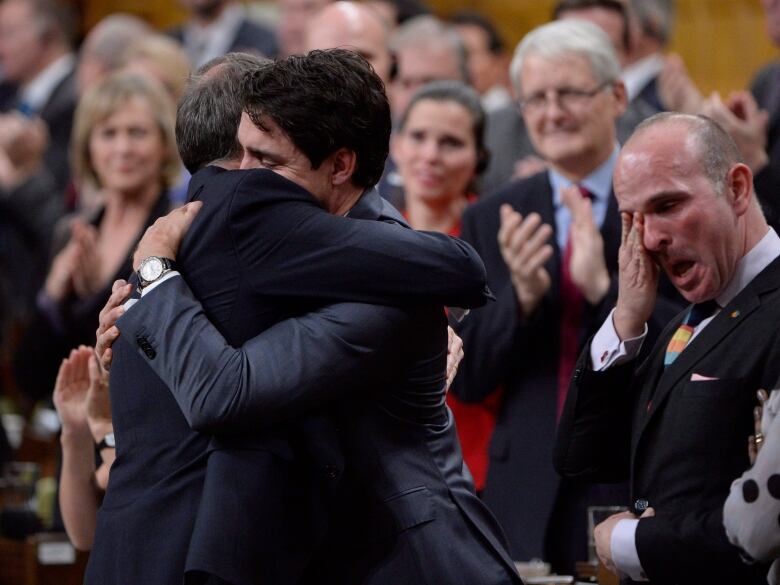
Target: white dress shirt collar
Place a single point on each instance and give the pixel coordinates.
(751, 265)
(37, 92)
(639, 74)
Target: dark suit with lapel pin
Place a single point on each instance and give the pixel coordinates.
(680, 440)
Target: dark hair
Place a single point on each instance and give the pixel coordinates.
(613, 5)
(209, 111)
(474, 18)
(462, 94)
(323, 101)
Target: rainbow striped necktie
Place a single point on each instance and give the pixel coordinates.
(682, 336)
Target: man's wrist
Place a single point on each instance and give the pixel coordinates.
(167, 276)
(627, 327)
(78, 435)
(623, 549)
(99, 430)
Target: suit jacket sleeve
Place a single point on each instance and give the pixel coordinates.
(363, 260)
(594, 434)
(290, 368)
(691, 547)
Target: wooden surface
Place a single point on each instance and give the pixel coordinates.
(20, 565)
(722, 41)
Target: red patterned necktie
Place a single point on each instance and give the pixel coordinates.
(571, 316)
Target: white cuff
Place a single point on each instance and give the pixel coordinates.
(159, 281)
(623, 546)
(131, 301)
(606, 349)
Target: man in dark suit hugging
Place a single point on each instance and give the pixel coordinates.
(277, 482)
(676, 424)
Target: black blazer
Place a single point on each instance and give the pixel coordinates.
(766, 89)
(403, 511)
(260, 249)
(681, 442)
(521, 355)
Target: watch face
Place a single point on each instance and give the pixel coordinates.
(151, 269)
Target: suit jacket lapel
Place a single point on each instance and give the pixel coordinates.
(735, 313)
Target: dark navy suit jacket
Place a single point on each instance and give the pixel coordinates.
(403, 512)
(260, 249)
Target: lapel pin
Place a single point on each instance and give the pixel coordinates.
(734, 314)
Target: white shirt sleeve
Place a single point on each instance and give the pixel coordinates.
(606, 349)
(130, 302)
(624, 553)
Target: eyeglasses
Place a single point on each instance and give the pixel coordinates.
(567, 98)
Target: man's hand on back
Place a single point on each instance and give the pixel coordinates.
(164, 237)
(107, 331)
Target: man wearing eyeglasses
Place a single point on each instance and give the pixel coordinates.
(549, 243)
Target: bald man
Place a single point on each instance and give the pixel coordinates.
(349, 25)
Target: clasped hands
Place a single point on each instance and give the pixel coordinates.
(523, 242)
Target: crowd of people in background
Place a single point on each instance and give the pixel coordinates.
(519, 153)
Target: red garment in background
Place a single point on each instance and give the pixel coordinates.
(475, 421)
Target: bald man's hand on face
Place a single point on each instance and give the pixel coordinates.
(637, 279)
(524, 247)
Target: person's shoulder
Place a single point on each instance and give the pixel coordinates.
(764, 80)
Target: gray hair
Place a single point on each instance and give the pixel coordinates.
(716, 150)
(210, 109)
(109, 38)
(427, 30)
(656, 17)
(563, 37)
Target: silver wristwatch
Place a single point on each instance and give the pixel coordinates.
(152, 269)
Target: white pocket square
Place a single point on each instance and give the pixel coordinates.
(700, 378)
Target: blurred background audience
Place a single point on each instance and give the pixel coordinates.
(123, 146)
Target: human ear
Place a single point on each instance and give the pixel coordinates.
(740, 185)
(620, 94)
(344, 162)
